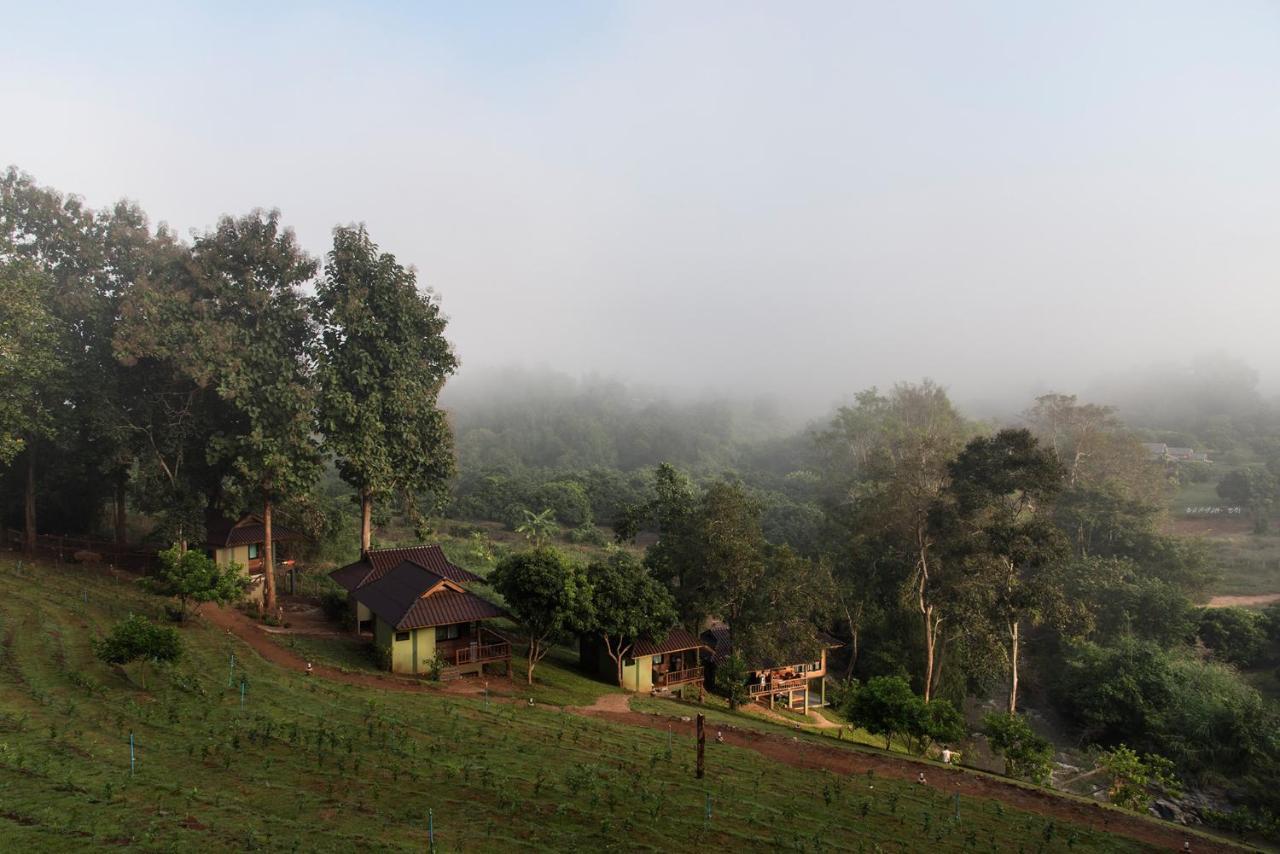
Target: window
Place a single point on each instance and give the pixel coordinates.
(628, 662)
(444, 633)
(254, 550)
(657, 659)
(402, 636)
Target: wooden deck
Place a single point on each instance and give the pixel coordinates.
(677, 677)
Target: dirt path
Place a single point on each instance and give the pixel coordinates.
(780, 748)
(1243, 601)
(804, 754)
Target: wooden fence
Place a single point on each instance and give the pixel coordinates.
(62, 549)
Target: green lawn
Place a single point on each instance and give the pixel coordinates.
(312, 765)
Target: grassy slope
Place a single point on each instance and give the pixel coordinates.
(314, 765)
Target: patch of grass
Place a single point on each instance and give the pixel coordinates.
(1249, 563)
(307, 764)
(344, 653)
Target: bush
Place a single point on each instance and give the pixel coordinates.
(1027, 756)
(1132, 776)
(886, 706)
(193, 576)
(1235, 635)
(731, 680)
(136, 638)
(335, 605)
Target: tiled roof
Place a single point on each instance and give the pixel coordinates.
(396, 598)
(223, 533)
(378, 562)
(676, 640)
(448, 606)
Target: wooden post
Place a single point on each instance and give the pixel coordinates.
(702, 743)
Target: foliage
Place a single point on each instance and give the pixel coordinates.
(1256, 488)
(731, 679)
(135, 638)
(1027, 756)
(1133, 776)
(335, 606)
(548, 595)
(31, 361)
(538, 528)
(193, 576)
(626, 604)
(1236, 635)
(885, 706)
(383, 360)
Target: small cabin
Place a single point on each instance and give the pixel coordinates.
(790, 685)
(413, 602)
(650, 665)
(243, 541)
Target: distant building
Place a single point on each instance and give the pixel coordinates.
(1170, 454)
(241, 541)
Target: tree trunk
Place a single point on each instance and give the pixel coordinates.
(121, 512)
(930, 641)
(366, 521)
(533, 654)
(29, 503)
(1013, 667)
(268, 557)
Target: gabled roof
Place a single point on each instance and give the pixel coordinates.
(410, 597)
(376, 563)
(223, 533)
(677, 640)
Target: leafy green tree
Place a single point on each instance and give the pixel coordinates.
(32, 373)
(1133, 776)
(538, 528)
(885, 706)
(886, 466)
(1236, 636)
(731, 679)
(939, 722)
(1255, 488)
(383, 361)
(254, 344)
(997, 516)
(626, 604)
(193, 576)
(549, 596)
(135, 638)
(1027, 756)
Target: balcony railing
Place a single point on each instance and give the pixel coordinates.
(776, 686)
(493, 647)
(678, 677)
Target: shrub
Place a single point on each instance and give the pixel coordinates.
(335, 605)
(1027, 756)
(1132, 776)
(135, 638)
(1235, 635)
(731, 679)
(193, 576)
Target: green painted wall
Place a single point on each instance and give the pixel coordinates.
(401, 651)
(363, 613)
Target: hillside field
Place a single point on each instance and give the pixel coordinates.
(310, 764)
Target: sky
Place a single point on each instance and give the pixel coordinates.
(794, 200)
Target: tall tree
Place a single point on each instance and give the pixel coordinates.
(996, 515)
(32, 372)
(383, 361)
(887, 465)
(253, 342)
(549, 596)
(627, 604)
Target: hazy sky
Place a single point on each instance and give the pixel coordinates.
(789, 198)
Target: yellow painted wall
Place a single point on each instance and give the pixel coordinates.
(638, 676)
(363, 613)
(424, 648)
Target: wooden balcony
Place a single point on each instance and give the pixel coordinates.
(489, 646)
(677, 677)
(777, 686)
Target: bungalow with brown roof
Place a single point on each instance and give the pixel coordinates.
(651, 665)
(421, 616)
(770, 682)
(242, 541)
